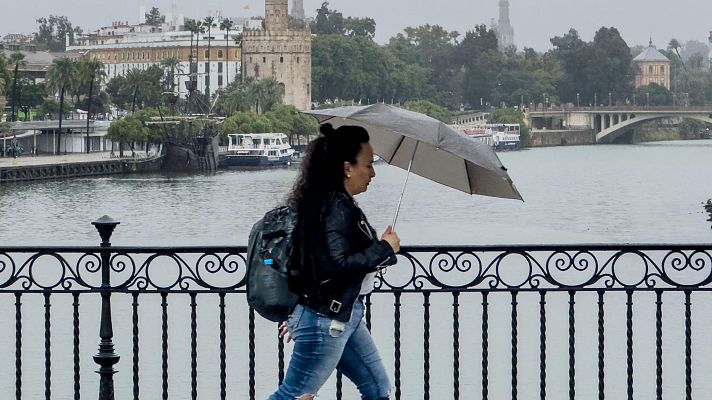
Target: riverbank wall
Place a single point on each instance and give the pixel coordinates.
(542, 138)
(68, 169)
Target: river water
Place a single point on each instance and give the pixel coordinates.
(644, 193)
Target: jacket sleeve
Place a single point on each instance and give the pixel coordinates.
(338, 222)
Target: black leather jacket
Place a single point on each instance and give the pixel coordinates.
(349, 250)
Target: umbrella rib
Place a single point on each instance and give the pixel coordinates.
(396, 150)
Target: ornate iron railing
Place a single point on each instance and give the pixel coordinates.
(580, 279)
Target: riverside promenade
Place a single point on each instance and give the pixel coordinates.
(28, 168)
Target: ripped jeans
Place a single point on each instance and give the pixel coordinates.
(322, 345)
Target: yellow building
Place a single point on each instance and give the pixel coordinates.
(652, 67)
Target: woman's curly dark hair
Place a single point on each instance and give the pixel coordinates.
(323, 165)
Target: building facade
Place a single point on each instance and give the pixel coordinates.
(504, 29)
(651, 66)
(280, 53)
(121, 47)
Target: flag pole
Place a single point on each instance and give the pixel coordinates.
(400, 199)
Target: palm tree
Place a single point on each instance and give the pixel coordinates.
(226, 25)
(268, 93)
(171, 65)
(18, 60)
(91, 71)
(208, 22)
(675, 45)
(61, 78)
(192, 26)
(134, 80)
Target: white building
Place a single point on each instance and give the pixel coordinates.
(122, 47)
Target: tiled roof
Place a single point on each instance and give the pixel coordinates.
(650, 54)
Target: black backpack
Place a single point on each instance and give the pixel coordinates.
(270, 254)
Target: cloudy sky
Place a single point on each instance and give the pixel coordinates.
(534, 21)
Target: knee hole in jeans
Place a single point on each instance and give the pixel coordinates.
(306, 397)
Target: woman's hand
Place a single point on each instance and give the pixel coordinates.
(284, 331)
(392, 238)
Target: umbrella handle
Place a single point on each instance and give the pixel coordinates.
(400, 199)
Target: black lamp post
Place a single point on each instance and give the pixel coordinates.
(106, 358)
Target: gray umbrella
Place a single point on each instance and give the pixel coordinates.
(427, 147)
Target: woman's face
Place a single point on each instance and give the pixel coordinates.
(357, 176)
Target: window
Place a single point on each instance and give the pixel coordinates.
(207, 67)
(220, 67)
(207, 54)
(662, 69)
(264, 59)
(297, 60)
(650, 69)
(220, 54)
(220, 80)
(281, 60)
(207, 80)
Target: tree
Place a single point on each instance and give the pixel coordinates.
(91, 72)
(225, 25)
(288, 120)
(60, 79)
(245, 122)
(328, 22)
(362, 27)
(208, 22)
(171, 66)
(268, 93)
(55, 31)
(674, 45)
(512, 116)
(154, 17)
(653, 95)
(127, 130)
(430, 109)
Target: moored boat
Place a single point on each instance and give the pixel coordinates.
(257, 150)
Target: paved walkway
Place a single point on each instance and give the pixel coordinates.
(63, 159)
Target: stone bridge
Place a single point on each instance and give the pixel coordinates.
(608, 123)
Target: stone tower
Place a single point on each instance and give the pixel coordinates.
(505, 32)
(276, 18)
(280, 53)
(298, 9)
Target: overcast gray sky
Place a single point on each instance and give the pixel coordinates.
(534, 21)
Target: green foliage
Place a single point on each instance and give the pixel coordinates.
(691, 128)
(53, 30)
(154, 17)
(249, 94)
(327, 22)
(128, 129)
(137, 89)
(512, 116)
(430, 109)
(287, 119)
(653, 95)
(49, 107)
(594, 69)
(246, 122)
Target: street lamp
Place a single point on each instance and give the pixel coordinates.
(578, 103)
(647, 99)
(595, 99)
(609, 99)
(634, 98)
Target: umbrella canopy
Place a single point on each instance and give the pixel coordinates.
(437, 152)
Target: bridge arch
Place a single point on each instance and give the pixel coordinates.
(607, 133)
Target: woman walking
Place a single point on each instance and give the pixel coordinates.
(340, 254)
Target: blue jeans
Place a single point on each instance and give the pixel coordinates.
(322, 345)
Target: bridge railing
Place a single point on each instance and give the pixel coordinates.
(639, 108)
(450, 321)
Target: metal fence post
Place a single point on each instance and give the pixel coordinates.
(106, 358)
